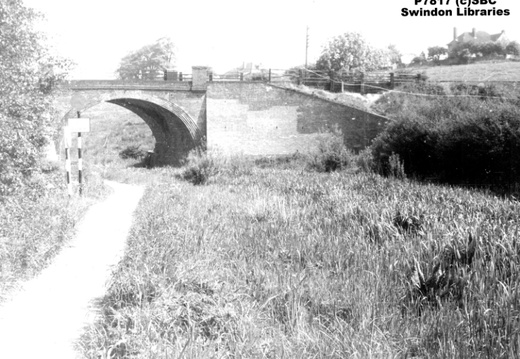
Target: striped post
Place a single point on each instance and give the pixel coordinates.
(80, 165)
(67, 141)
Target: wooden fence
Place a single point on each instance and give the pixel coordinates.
(373, 82)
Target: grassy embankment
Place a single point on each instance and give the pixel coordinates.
(477, 72)
(270, 262)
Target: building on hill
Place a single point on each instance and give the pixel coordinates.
(476, 36)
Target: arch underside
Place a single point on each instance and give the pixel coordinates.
(174, 130)
(173, 138)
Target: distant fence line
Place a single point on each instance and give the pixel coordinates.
(372, 82)
(359, 82)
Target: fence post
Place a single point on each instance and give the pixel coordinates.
(362, 84)
(392, 80)
(165, 75)
(269, 75)
(300, 76)
(241, 76)
(180, 76)
(418, 77)
(210, 76)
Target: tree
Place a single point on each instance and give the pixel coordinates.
(350, 52)
(395, 56)
(28, 74)
(419, 60)
(513, 48)
(149, 62)
(463, 51)
(435, 53)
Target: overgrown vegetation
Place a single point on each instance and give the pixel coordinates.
(470, 138)
(328, 155)
(289, 263)
(133, 151)
(28, 75)
(36, 215)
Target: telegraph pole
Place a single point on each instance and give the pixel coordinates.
(306, 46)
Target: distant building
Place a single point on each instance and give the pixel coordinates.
(248, 69)
(476, 36)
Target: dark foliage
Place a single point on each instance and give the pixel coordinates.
(462, 140)
(132, 151)
(408, 224)
(447, 279)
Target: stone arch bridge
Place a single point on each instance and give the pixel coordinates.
(252, 118)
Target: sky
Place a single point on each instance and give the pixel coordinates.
(223, 34)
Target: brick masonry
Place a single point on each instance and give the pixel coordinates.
(252, 118)
(264, 119)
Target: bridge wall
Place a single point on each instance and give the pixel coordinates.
(238, 117)
(264, 119)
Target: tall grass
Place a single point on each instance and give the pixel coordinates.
(287, 263)
(36, 222)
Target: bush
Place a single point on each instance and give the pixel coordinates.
(200, 166)
(132, 151)
(29, 75)
(415, 143)
(365, 161)
(470, 140)
(330, 154)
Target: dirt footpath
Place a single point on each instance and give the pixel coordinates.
(46, 317)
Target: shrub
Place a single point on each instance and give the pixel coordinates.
(200, 166)
(365, 161)
(413, 140)
(330, 154)
(29, 75)
(132, 151)
(470, 140)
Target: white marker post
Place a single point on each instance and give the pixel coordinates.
(80, 165)
(67, 141)
(79, 125)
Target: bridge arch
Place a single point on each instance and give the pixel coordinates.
(174, 130)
